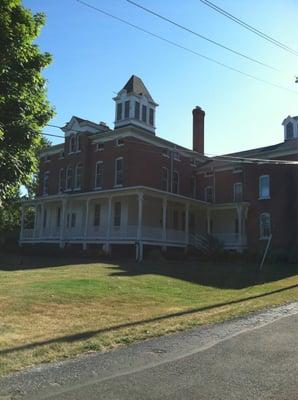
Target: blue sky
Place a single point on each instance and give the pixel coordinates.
(94, 56)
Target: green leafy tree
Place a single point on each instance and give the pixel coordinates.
(24, 108)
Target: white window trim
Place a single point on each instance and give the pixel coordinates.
(260, 225)
(97, 163)
(99, 149)
(60, 188)
(67, 189)
(178, 182)
(260, 179)
(167, 169)
(116, 185)
(119, 144)
(76, 176)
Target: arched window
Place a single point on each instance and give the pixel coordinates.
(72, 144)
(290, 130)
(78, 176)
(265, 226)
(69, 178)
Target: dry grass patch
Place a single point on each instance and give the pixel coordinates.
(54, 312)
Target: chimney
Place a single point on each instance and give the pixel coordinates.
(198, 130)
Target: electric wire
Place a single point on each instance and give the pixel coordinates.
(175, 44)
(211, 157)
(249, 27)
(201, 36)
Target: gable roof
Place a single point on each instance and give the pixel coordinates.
(136, 85)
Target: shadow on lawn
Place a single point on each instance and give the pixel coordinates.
(232, 275)
(89, 334)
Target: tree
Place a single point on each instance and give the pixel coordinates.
(24, 108)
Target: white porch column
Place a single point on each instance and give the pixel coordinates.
(109, 225)
(186, 224)
(139, 254)
(209, 221)
(22, 222)
(164, 218)
(86, 224)
(62, 224)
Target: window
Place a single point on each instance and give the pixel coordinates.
(193, 186)
(290, 130)
(72, 144)
(47, 159)
(166, 152)
(58, 221)
(194, 162)
(209, 194)
(265, 226)
(175, 219)
(137, 110)
(69, 177)
(99, 175)
(44, 222)
(119, 142)
(176, 155)
(264, 187)
(73, 220)
(151, 116)
(78, 142)
(208, 174)
(46, 182)
(119, 112)
(165, 179)
(126, 109)
(175, 182)
(61, 180)
(238, 191)
(99, 146)
(61, 154)
(78, 176)
(117, 213)
(118, 171)
(96, 221)
(144, 113)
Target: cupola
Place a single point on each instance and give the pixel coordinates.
(135, 106)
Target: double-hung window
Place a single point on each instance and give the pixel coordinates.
(238, 191)
(265, 226)
(144, 113)
(61, 180)
(46, 182)
(97, 209)
(126, 109)
(119, 112)
(117, 213)
(264, 187)
(209, 194)
(99, 175)
(119, 171)
(175, 182)
(165, 179)
(69, 178)
(78, 176)
(137, 110)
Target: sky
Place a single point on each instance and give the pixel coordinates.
(94, 56)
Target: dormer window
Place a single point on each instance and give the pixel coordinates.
(151, 116)
(72, 144)
(289, 130)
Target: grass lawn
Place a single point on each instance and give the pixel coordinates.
(51, 309)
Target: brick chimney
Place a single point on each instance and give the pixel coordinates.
(198, 130)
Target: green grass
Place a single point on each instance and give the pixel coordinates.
(65, 309)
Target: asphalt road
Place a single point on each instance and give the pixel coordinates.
(247, 358)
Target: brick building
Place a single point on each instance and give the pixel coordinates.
(127, 186)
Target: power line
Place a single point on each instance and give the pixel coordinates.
(249, 27)
(212, 157)
(185, 48)
(201, 36)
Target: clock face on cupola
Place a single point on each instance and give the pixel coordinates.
(290, 128)
(135, 106)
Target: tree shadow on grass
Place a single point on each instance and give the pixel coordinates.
(89, 334)
(232, 275)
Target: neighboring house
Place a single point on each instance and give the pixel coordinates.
(128, 186)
